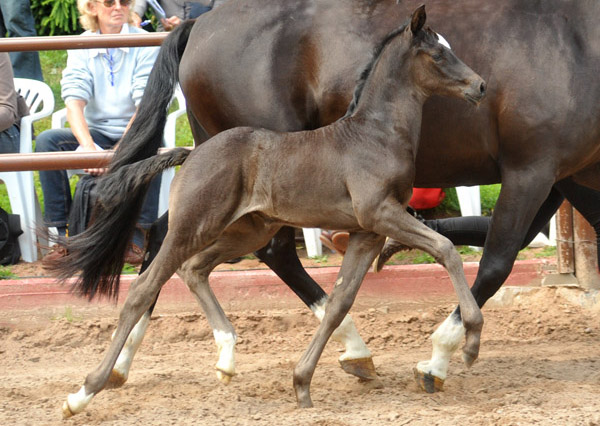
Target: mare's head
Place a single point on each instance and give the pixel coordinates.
(435, 68)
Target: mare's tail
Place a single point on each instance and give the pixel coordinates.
(97, 253)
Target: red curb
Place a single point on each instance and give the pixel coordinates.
(398, 281)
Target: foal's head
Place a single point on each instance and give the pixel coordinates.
(435, 68)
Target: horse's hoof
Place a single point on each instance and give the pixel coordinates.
(66, 411)
(363, 368)
(468, 359)
(428, 382)
(116, 380)
(223, 376)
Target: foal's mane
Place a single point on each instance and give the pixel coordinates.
(364, 75)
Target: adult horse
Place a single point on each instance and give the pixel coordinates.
(292, 66)
(266, 176)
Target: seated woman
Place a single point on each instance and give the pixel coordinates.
(101, 89)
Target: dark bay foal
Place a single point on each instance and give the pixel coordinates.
(235, 191)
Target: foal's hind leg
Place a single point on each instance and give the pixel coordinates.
(362, 250)
(281, 256)
(242, 237)
(141, 295)
(120, 372)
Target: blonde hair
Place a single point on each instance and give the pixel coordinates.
(89, 21)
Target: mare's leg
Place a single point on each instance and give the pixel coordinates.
(120, 372)
(523, 200)
(141, 295)
(281, 256)
(362, 250)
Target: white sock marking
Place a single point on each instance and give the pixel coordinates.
(78, 401)
(134, 340)
(226, 349)
(446, 340)
(346, 334)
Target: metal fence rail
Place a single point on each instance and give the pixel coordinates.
(68, 160)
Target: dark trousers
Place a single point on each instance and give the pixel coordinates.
(16, 19)
(55, 183)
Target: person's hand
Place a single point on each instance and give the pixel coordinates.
(170, 23)
(135, 18)
(97, 171)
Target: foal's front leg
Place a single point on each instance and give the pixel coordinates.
(362, 250)
(409, 231)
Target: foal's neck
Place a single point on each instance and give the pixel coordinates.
(390, 99)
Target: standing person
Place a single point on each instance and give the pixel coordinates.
(175, 11)
(16, 19)
(101, 89)
(12, 108)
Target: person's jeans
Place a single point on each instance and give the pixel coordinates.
(55, 183)
(16, 19)
(10, 140)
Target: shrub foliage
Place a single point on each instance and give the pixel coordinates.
(56, 17)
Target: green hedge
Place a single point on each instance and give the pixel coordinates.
(56, 17)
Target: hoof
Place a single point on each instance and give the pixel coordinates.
(116, 380)
(363, 368)
(66, 411)
(469, 359)
(428, 382)
(305, 404)
(224, 377)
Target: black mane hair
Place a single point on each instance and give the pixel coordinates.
(364, 75)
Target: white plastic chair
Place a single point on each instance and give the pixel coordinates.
(59, 119)
(19, 185)
(169, 142)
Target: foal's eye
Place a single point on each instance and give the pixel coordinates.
(437, 57)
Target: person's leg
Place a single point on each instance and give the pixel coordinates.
(19, 22)
(55, 183)
(149, 212)
(9, 140)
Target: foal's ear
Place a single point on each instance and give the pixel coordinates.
(418, 19)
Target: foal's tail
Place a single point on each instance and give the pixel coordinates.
(98, 252)
(105, 231)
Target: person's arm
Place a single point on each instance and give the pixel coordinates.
(170, 23)
(146, 57)
(81, 131)
(138, 12)
(8, 96)
(78, 124)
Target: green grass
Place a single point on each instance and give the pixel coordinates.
(423, 257)
(6, 273)
(68, 315)
(53, 63)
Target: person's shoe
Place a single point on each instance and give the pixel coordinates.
(340, 241)
(57, 251)
(134, 255)
(335, 240)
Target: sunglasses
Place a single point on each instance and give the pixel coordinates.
(111, 3)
